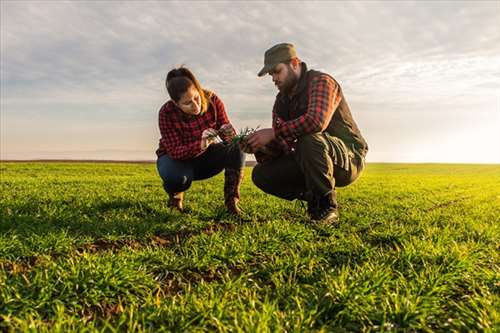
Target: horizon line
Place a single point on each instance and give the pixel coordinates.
(247, 163)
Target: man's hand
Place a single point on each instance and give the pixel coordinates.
(245, 147)
(227, 132)
(208, 137)
(259, 139)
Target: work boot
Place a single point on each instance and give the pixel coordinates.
(324, 209)
(175, 201)
(232, 182)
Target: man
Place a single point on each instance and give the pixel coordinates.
(314, 144)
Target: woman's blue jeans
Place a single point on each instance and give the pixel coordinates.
(177, 175)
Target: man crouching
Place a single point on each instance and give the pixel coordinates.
(314, 144)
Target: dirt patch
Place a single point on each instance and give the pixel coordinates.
(179, 237)
(105, 310)
(163, 240)
(174, 283)
(174, 238)
(23, 264)
(15, 267)
(223, 226)
(100, 245)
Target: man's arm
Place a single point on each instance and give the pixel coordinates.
(265, 145)
(324, 98)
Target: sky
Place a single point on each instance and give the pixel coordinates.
(85, 79)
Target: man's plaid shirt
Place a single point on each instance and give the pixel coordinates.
(323, 99)
(181, 133)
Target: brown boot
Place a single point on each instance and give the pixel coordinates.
(232, 182)
(175, 201)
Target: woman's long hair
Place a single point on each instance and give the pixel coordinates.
(179, 80)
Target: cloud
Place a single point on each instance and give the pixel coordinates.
(105, 62)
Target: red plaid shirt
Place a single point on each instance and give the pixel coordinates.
(181, 132)
(323, 99)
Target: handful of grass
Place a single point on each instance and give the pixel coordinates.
(241, 137)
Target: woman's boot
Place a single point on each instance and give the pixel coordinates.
(175, 200)
(232, 182)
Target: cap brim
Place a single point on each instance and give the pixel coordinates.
(266, 69)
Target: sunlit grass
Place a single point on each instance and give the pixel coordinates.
(93, 247)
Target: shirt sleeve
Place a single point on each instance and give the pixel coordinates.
(323, 99)
(171, 139)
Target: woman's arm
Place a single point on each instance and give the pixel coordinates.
(171, 139)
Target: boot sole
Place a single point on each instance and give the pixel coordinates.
(332, 218)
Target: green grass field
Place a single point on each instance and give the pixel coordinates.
(92, 247)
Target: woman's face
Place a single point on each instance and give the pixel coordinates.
(190, 102)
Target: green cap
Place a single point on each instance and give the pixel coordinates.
(278, 53)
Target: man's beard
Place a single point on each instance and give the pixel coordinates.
(289, 83)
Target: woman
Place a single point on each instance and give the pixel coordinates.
(191, 123)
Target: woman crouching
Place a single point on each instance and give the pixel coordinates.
(191, 123)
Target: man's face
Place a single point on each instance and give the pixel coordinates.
(284, 77)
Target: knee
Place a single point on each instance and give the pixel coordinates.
(259, 178)
(177, 182)
(176, 176)
(257, 175)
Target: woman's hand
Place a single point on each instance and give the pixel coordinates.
(227, 132)
(208, 137)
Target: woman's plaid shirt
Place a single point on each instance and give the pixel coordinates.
(181, 133)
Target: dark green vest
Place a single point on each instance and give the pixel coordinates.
(342, 124)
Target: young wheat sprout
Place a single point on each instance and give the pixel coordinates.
(242, 136)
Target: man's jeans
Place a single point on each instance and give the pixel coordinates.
(177, 175)
(310, 169)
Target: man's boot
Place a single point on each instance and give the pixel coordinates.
(325, 209)
(232, 182)
(175, 200)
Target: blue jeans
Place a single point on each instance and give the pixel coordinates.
(177, 175)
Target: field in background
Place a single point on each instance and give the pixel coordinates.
(92, 247)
